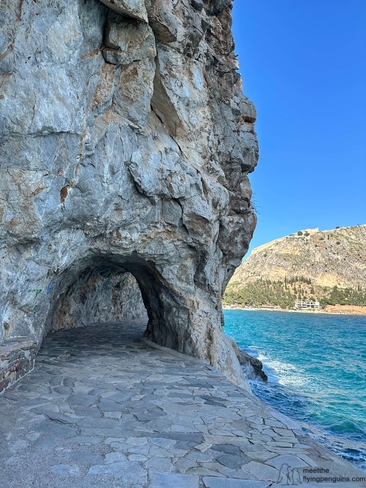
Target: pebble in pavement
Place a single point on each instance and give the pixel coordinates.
(103, 408)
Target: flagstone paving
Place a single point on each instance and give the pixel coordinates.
(104, 408)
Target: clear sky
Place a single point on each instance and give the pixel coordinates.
(303, 64)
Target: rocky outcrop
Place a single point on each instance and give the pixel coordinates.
(126, 142)
(252, 367)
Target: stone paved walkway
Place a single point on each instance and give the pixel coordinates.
(104, 409)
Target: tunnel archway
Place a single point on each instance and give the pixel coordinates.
(99, 295)
(109, 288)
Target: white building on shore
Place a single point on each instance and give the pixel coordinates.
(307, 305)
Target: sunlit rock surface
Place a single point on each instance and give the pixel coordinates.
(126, 142)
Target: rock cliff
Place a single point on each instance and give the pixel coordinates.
(126, 142)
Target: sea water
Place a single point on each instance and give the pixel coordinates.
(316, 367)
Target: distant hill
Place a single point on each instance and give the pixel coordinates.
(327, 266)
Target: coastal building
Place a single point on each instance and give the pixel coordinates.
(307, 305)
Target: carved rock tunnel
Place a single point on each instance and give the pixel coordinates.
(104, 287)
(111, 289)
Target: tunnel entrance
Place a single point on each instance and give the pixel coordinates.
(101, 289)
(112, 290)
(100, 295)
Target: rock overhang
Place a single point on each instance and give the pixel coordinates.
(126, 143)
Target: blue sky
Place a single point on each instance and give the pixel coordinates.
(303, 64)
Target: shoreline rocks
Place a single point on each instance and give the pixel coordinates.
(253, 367)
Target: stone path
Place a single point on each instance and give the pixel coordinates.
(104, 409)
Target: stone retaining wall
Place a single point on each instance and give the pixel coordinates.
(16, 359)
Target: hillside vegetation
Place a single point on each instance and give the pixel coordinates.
(327, 266)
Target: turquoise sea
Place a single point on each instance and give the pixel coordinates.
(316, 366)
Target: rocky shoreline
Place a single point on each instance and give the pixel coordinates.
(252, 367)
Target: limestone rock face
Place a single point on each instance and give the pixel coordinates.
(126, 142)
